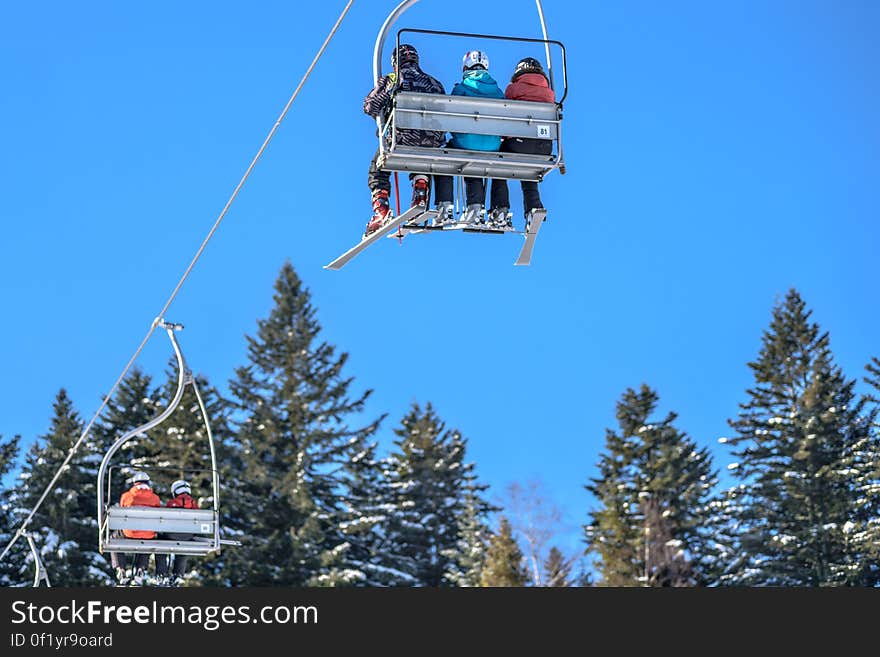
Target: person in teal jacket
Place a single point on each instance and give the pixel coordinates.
(475, 81)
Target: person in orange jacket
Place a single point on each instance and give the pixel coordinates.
(140, 494)
(182, 499)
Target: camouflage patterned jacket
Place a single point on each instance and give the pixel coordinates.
(412, 78)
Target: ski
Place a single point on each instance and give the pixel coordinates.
(525, 254)
(403, 231)
(411, 214)
(487, 230)
(412, 229)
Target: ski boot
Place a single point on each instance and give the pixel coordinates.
(421, 191)
(445, 214)
(123, 576)
(501, 218)
(381, 211)
(473, 215)
(139, 578)
(530, 215)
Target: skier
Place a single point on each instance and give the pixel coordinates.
(181, 499)
(407, 76)
(529, 82)
(133, 567)
(475, 81)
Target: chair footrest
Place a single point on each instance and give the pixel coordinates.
(160, 546)
(458, 162)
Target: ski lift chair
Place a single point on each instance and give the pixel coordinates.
(202, 524)
(486, 116)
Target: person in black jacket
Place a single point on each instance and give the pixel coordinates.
(407, 76)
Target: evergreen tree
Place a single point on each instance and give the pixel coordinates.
(653, 488)
(806, 462)
(873, 379)
(12, 568)
(363, 559)
(557, 569)
(505, 565)
(430, 484)
(468, 555)
(864, 534)
(293, 410)
(64, 527)
(584, 577)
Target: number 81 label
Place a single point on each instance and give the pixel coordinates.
(544, 131)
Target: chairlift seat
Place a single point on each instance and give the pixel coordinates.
(162, 519)
(487, 116)
(199, 523)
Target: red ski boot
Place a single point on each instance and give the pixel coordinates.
(421, 191)
(381, 211)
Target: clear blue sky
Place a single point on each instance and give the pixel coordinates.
(718, 154)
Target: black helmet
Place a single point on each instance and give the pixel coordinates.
(527, 65)
(404, 54)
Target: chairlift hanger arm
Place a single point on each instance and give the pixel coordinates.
(380, 40)
(39, 566)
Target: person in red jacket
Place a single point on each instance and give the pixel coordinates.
(140, 494)
(529, 82)
(182, 499)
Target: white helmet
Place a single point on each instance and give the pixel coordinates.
(139, 477)
(474, 59)
(180, 486)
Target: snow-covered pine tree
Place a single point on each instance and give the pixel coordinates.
(430, 483)
(653, 490)
(64, 527)
(873, 379)
(863, 534)
(505, 564)
(469, 553)
(293, 422)
(801, 446)
(363, 560)
(557, 569)
(13, 567)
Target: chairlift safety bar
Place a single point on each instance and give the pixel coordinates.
(473, 35)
